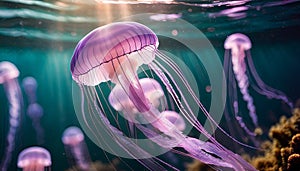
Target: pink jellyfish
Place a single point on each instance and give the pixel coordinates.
(34, 110)
(109, 57)
(8, 77)
(238, 52)
(75, 147)
(34, 159)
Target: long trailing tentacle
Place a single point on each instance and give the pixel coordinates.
(263, 88)
(130, 147)
(188, 114)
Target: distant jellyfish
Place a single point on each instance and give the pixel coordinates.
(175, 118)
(75, 147)
(8, 77)
(34, 159)
(109, 57)
(35, 112)
(241, 72)
(30, 87)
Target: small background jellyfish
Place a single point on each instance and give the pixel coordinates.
(34, 159)
(30, 87)
(34, 110)
(8, 77)
(75, 148)
(108, 60)
(240, 71)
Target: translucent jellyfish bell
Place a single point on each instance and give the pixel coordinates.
(75, 147)
(120, 100)
(35, 111)
(109, 61)
(34, 159)
(8, 77)
(238, 40)
(30, 86)
(72, 136)
(8, 71)
(175, 118)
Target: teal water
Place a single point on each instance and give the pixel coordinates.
(39, 38)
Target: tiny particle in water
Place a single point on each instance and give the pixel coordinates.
(190, 10)
(208, 88)
(73, 33)
(40, 22)
(210, 29)
(174, 32)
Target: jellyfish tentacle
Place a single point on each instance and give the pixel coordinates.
(132, 148)
(174, 138)
(263, 88)
(129, 146)
(188, 115)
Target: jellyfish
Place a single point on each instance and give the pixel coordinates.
(8, 77)
(34, 159)
(76, 149)
(237, 47)
(35, 112)
(30, 86)
(110, 57)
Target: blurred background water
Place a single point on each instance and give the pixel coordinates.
(39, 38)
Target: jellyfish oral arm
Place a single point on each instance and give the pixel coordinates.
(13, 93)
(80, 158)
(239, 69)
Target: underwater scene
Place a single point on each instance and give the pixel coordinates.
(104, 85)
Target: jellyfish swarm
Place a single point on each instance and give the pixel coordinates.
(8, 77)
(75, 147)
(34, 159)
(110, 56)
(238, 52)
(34, 110)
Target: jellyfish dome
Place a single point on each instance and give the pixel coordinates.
(8, 71)
(72, 135)
(237, 39)
(35, 110)
(107, 48)
(29, 84)
(34, 156)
